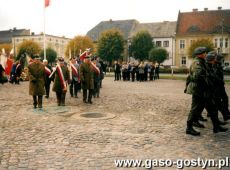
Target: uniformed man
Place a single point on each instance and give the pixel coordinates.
(48, 71)
(61, 80)
(74, 77)
(201, 86)
(87, 79)
(223, 105)
(36, 72)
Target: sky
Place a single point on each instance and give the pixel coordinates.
(70, 18)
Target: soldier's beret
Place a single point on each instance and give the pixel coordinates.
(200, 50)
(210, 57)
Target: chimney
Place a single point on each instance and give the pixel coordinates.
(219, 8)
(194, 10)
(205, 9)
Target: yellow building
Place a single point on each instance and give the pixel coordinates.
(207, 24)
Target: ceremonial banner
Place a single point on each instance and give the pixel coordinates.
(83, 55)
(47, 3)
(95, 68)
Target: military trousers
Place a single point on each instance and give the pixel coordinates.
(61, 98)
(37, 101)
(90, 93)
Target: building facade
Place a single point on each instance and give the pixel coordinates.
(58, 44)
(208, 24)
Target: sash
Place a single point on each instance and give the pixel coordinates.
(74, 71)
(61, 76)
(48, 71)
(95, 68)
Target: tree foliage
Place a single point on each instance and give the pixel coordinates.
(201, 43)
(51, 55)
(7, 48)
(110, 45)
(79, 43)
(158, 54)
(141, 44)
(28, 47)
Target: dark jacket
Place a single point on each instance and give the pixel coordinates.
(87, 76)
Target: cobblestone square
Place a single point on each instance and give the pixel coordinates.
(142, 120)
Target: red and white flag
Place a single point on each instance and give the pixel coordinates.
(48, 71)
(83, 55)
(74, 70)
(47, 3)
(95, 68)
(61, 76)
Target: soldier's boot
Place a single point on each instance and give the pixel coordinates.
(216, 126)
(219, 129)
(39, 101)
(63, 99)
(198, 124)
(35, 102)
(58, 95)
(90, 96)
(191, 131)
(84, 95)
(201, 118)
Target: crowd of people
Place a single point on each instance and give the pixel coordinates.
(206, 85)
(135, 71)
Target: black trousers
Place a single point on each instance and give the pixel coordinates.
(73, 88)
(37, 101)
(47, 88)
(90, 93)
(61, 98)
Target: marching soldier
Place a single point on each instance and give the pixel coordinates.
(48, 71)
(61, 80)
(74, 77)
(87, 79)
(36, 72)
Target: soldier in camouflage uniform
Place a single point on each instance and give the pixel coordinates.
(223, 101)
(36, 72)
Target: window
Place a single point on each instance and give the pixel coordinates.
(226, 42)
(166, 43)
(216, 43)
(221, 42)
(182, 44)
(158, 43)
(183, 60)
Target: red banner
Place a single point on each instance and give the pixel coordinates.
(83, 55)
(48, 71)
(47, 3)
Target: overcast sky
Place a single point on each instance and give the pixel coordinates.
(75, 17)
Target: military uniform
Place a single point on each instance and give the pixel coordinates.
(57, 86)
(47, 79)
(74, 79)
(36, 72)
(87, 80)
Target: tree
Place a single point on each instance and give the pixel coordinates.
(141, 44)
(51, 55)
(110, 45)
(28, 47)
(158, 54)
(201, 43)
(79, 43)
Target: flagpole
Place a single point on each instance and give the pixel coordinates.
(44, 33)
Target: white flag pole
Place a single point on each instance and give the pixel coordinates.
(44, 33)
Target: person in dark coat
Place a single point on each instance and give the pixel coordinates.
(61, 79)
(74, 77)
(117, 71)
(36, 72)
(48, 71)
(87, 79)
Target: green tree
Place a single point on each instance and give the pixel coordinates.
(201, 43)
(110, 45)
(79, 43)
(141, 44)
(158, 54)
(51, 55)
(28, 47)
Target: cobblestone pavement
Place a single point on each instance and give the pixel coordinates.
(148, 122)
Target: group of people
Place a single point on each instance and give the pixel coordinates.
(136, 71)
(206, 85)
(85, 75)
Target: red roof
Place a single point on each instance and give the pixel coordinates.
(199, 22)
